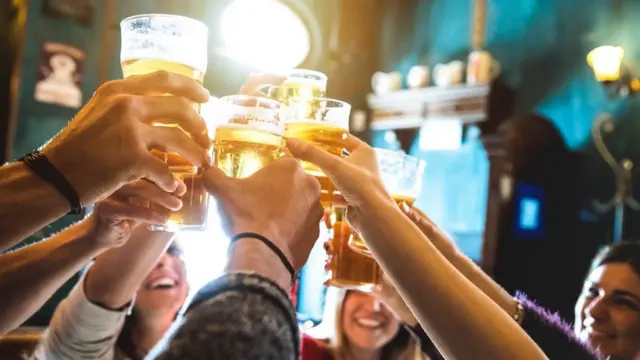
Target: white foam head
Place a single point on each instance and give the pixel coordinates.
(171, 38)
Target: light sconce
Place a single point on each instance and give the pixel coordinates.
(610, 71)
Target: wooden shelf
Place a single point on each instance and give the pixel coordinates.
(409, 109)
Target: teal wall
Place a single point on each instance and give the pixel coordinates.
(37, 122)
(542, 45)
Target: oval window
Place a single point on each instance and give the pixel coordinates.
(265, 34)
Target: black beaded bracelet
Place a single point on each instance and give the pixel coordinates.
(39, 164)
(287, 264)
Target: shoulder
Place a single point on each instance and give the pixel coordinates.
(314, 349)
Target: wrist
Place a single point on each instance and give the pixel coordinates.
(377, 206)
(269, 231)
(251, 255)
(72, 171)
(48, 194)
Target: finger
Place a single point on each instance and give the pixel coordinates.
(215, 181)
(173, 111)
(118, 210)
(182, 188)
(150, 191)
(159, 83)
(156, 171)
(255, 82)
(174, 140)
(326, 161)
(352, 143)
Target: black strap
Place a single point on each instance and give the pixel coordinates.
(287, 264)
(40, 165)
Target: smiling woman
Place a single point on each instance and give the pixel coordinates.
(268, 35)
(608, 309)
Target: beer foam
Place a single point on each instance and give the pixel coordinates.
(249, 127)
(317, 123)
(306, 81)
(165, 37)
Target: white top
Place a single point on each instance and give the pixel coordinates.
(81, 329)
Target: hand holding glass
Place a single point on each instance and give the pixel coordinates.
(402, 177)
(179, 45)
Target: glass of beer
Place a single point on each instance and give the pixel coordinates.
(300, 83)
(248, 135)
(324, 123)
(345, 267)
(402, 177)
(176, 44)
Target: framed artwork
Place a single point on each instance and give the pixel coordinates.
(60, 75)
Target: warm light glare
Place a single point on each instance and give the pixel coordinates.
(606, 62)
(265, 34)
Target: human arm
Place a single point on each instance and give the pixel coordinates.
(250, 304)
(105, 146)
(552, 334)
(245, 314)
(88, 321)
(29, 276)
(27, 204)
(447, 305)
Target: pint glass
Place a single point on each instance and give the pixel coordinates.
(402, 177)
(324, 123)
(345, 267)
(179, 45)
(248, 135)
(300, 83)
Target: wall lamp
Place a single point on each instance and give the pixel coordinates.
(610, 70)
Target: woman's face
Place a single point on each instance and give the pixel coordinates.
(165, 288)
(608, 311)
(368, 324)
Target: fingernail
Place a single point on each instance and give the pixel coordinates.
(176, 183)
(179, 205)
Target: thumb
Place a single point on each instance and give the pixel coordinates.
(215, 181)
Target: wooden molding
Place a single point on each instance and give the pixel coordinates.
(406, 109)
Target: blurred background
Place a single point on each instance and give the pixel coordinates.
(529, 172)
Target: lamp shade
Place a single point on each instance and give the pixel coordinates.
(606, 62)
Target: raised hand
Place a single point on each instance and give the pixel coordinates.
(279, 202)
(115, 217)
(107, 144)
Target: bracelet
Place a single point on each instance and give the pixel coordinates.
(287, 264)
(39, 164)
(518, 315)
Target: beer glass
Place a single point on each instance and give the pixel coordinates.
(346, 268)
(402, 177)
(248, 135)
(322, 122)
(176, 44)
(300, 83)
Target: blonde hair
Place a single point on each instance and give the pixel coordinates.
(407, 348)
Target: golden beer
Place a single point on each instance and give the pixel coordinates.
(135, 67)
(175, 44)
(345, 267)
(300, 83)
(358, 245)
(249, 135)
(327, 136)
(292, 89)
(240, 151)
